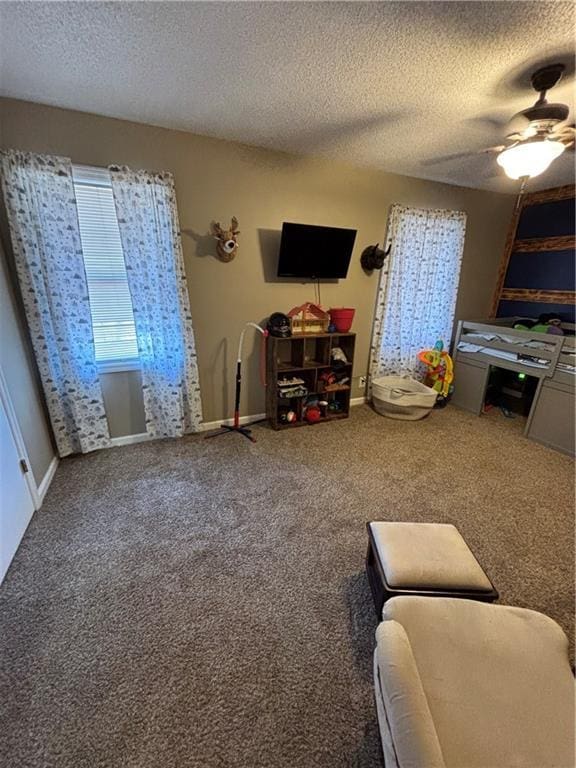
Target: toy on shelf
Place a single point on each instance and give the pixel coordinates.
(313, 414)
(294, 387)
(311, 411)
(342, 382)
(338, 357)
(333, 381)
(279, 325)
(287, 416)
(308, 318)
(326, 378)
(284, 382)
(440, 373)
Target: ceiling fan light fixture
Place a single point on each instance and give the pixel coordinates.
(529, 158)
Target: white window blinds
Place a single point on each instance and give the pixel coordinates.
(110, 302)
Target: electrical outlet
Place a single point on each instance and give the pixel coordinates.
(362, 382)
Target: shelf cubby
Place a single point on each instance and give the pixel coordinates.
(306, 357)
(346, 342)
(316, 351)
(289, 353)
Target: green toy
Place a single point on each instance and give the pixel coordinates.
(546, 323)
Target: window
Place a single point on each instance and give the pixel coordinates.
(110, 301)
(417, 295)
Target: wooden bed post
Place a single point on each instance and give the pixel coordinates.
(504, 261)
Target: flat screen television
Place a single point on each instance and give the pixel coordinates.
(313, 252)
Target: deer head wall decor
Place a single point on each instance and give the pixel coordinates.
(227, 239)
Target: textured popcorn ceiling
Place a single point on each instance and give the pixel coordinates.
(392, 85)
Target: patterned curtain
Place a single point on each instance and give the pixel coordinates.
(41, 209)
(417, 294)
(150, 234)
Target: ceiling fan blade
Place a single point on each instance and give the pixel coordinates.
(566, 131)
(495, 122)
(518, 123)
(493, 172)
(446, 158)
(461, 155)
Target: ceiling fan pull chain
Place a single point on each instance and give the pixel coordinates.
(524, 182)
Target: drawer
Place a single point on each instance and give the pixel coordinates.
(469, 386)
(563, 380)
(553, 419)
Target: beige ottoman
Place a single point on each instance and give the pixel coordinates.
(430, 559)
(461, 684)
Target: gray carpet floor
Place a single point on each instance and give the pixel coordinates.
(204, 604)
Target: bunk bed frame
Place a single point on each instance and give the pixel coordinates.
(551, 359)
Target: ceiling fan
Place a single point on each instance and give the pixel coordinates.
(538, 135)
(541, 134)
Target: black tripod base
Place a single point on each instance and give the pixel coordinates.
(225, 429)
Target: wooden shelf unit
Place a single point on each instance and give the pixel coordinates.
(306, 356)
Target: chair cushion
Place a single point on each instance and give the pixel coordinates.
(497, 681)
(427, 556)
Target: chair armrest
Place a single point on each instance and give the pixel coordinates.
(414, 736)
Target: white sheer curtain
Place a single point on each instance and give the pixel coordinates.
(150, 234)
(417, 294)
(43, 220)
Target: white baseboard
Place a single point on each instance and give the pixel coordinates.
(209, 425)
(141, 437)
(47, 479)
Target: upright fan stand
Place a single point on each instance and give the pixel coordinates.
(235, 427)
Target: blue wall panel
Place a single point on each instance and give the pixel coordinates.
(542, 270)
(554, 219)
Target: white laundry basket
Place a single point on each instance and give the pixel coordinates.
(399, 397)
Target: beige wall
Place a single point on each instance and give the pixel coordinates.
(19, 369)
(217, 179)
